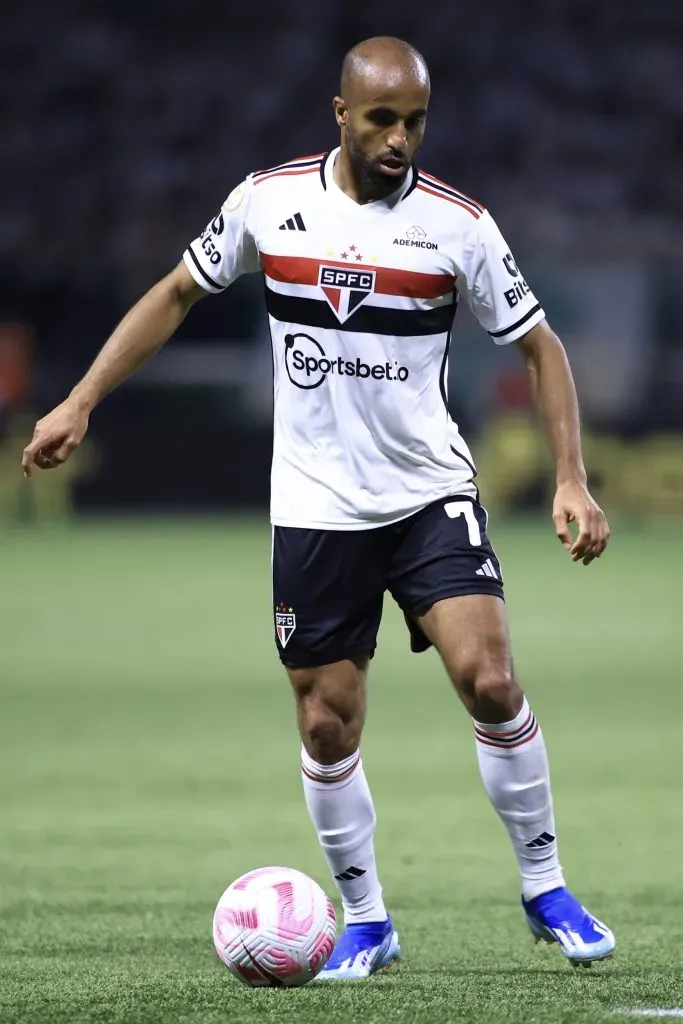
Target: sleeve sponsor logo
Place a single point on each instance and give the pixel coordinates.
(210, 232)
(520, 291)
(510, 265)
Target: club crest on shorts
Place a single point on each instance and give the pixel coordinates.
(285, 623)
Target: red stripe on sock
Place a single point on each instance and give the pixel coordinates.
(337, 778)
(510, 746)
(508, 735)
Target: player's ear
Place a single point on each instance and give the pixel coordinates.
(340, 111)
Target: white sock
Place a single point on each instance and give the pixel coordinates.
(514, 768)
(341, 809)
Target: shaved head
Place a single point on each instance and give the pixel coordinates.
(381, 111)
(382, 57)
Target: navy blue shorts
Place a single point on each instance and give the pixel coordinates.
(328, 585)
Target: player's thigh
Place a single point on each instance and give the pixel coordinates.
(471, 634)
(443, 551)
(327, 590)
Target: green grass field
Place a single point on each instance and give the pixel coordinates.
(148, 756)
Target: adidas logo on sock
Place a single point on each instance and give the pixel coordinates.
(295, 223)
(545, 839)
(349, 874)
(487, 570)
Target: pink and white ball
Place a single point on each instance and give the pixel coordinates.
(275, 927)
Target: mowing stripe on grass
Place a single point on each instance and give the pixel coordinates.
(677, 1011)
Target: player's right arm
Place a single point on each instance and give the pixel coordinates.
(141, 333)
(223, 251)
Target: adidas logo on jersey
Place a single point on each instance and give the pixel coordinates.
(295, 223)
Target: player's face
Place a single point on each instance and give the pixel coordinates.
(382, 131)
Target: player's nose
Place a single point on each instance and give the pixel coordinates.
(397, 139)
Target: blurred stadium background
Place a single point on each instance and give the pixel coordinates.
(146, 735)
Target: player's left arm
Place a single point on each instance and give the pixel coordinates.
(505, 306)
(553, 388)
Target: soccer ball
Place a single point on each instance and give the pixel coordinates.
(274, 926)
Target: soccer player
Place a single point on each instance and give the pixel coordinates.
(365, 259)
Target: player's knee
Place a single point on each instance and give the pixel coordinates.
(330, 710)
(323, 736)
(330, 728)
(496, 695)
(328, 736)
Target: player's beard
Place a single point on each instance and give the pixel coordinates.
(367, 171)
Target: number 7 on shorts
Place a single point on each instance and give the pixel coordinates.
(453, 509)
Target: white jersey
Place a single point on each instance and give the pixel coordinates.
(361, 301)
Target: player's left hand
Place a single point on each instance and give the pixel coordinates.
(574, 504)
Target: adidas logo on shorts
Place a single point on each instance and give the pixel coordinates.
(487, 569)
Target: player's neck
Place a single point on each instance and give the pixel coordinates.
(354, 185)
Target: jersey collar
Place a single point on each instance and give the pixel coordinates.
(388, 203)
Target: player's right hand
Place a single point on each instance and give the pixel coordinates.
(56, 436)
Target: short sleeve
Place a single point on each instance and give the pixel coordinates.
(493, 285)
(225, 249)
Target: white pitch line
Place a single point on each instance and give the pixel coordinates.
(677, 1011)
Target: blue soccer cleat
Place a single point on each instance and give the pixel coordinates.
(361, 950)
(557, 916)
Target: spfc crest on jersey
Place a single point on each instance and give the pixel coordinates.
(285, 623)
(345, 289)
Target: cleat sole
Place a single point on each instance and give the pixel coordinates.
(387, 966)
(589, 963)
